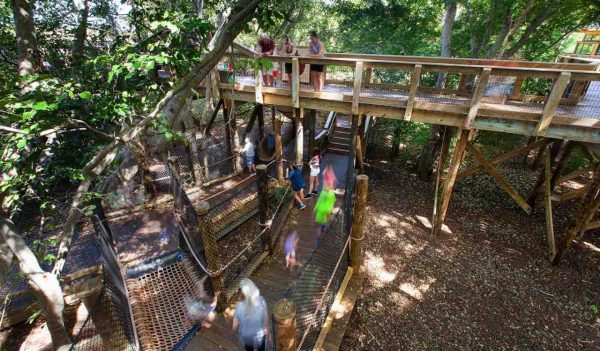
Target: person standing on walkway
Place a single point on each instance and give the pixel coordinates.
(251, 318)
(266, 45)
(315, 170)
(249, 152)
(317, 72)
(288, 50)
(297, 182)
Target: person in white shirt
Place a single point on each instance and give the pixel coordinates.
(249, 152)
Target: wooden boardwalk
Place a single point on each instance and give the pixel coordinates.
(271, 277)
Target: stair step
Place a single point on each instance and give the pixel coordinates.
(341, 132)
(340, 139)
(338, 145)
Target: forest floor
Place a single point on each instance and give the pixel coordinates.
(483, 284)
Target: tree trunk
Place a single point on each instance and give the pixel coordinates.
(198, 7)
(29, 57)
(426, 159)
(44, 284)
(223, 39)
(80, 34)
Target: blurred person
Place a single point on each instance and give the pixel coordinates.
(251, 318)
(288, 50)
(200, 307)
(250, 153)
(317, 72)
(329, 178)
(323, 210)
(315, 170)
(289, 249)
(297, 182)
(267, 46)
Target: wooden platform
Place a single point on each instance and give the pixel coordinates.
(271, 277)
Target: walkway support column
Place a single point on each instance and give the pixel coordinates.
(264, 214)
(285, 325)
(298, 115)
(461, 144)
(211, 252)
(357, 233)
(312, 121)
(235, 140)
(278, 147)
(261, 122)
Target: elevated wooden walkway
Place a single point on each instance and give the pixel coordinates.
(554, 100)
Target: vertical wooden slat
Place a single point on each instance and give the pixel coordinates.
(295, 83)
(548, 209)
(516, 92)
(477, 96)
(552, 103)
(258, 83)
(368, 77)
(278, 146)
(358, 69)
(415, 80)
(461, 144)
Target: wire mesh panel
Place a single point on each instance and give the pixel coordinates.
(386, 83)
(444, 88)
(315, 288)
(581, 100)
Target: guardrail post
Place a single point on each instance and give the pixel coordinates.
(284, 312)
(211, 251)
(357, 233)
(369, 74)
(264, 213)
(358, 69)
(415, 80)
(482, 83)
(552, 103)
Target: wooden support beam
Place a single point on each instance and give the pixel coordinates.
(258, 85)
(357, 234)
(253, 116)
(298, 116)
(449, 180)
(368, 77)
(235, 140)
(567, 149)
(278, 147)
(357, 85)
(507, 156)
(548, 209)
(284, 313)
(211, 121)
(415, 80)
(584, 211)
(311, 115)
(592, 225)
(264, 214)
(552, 103)
(572, 195)
(499, 178)
(554, 150)
(477, 96)
(576, 174)
(295, 83)
(261, 122)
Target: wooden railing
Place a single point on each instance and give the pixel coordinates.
(488, 94)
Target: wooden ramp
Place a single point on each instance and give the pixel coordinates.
(271, 277)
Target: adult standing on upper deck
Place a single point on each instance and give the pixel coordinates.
(267, 46)
(317, 72)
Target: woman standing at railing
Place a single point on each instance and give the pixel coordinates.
(317, 72)
(267, 46)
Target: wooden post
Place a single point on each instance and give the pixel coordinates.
(213, 117)
(278, 147)
(211, 251)
(552, 103)
(284, 312)
(295, 83)
(351, 152)
(226, 115)
(461, 144)
(482, 83)
(560, 165)
(358, 144)
(299, 135)
(554, 150)
(258, 84)
(312, 121)
(548, 209)
(261, 122)
(235, 140)
(357, 85)
(516, 92)
(585, 209)
(415, 80)
(357, 233)
(264, 214)
(368, 78)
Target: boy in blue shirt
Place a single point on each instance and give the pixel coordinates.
(295, 177)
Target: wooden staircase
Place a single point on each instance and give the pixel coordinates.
(339, 140)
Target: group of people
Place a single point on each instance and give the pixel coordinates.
(316, 49)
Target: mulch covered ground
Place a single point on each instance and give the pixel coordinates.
(483, 284)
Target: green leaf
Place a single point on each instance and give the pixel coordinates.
(149, 66)
(86, 95)
(21, 143)
(40, 106)
(29, 114)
